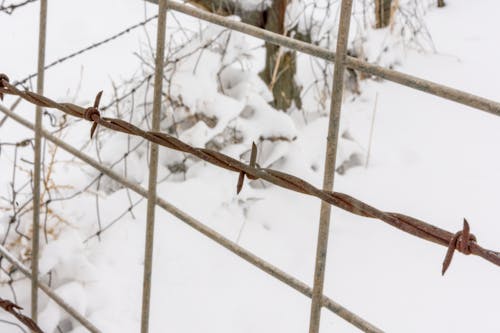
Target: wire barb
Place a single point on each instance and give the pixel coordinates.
(13, 309)
(461, 241)
(253, 159)
(92, 113)
(9, 9)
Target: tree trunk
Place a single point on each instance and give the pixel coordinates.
(281, 66)
(382, 13)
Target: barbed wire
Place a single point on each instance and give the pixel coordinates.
(19, 201)
(9, 9)
(13, 309)
(88, 48)
(463, 241)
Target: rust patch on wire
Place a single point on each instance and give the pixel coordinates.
(462, 241)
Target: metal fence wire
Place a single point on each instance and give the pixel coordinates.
(463, 241)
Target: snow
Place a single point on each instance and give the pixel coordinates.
(431, 158)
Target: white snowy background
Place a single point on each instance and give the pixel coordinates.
(431, 158)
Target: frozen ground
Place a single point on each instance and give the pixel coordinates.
(432, 159)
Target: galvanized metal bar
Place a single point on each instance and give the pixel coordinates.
(330, 160)
(153, 166)
(296, 284)
(49, 292)
(35, 241)
(411, 81)
(426, 86)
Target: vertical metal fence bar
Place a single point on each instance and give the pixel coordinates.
(38, 160)
(153, 166)
(330, 159)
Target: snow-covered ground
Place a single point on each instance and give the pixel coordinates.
(431, 158)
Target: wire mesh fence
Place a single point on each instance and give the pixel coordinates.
(40, 200)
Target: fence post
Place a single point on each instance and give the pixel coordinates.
(153, 166)
(331, 154)
(35, 241)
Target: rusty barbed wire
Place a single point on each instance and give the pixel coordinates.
(13, 309)
(9, 9)
(462, 241)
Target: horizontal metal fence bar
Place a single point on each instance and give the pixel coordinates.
(426, 86)
(210, 233)
(411, 81)
(47, 290)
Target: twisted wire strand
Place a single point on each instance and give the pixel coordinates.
(462, 241)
